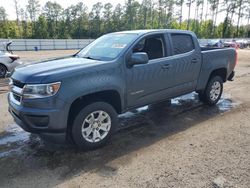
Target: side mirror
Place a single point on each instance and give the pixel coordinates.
(138, 58)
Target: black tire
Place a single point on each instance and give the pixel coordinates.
(77, 134)
(3, 71)
(208, 96)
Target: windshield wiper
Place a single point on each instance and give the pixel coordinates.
(89, 57)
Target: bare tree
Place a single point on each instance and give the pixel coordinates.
(206, 15)
(182, 2)
(189, 4)
(33, 8)
(248, 18)
(16, 5)
(3, 15)
(202, 9)
(216, 4)
(152, 13)
(240, 14)
(160, 12)
(197, 7)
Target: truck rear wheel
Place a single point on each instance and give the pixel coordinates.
(212, 94)
(94, 125)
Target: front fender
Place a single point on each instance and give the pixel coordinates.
(92, 82)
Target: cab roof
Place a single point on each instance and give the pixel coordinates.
(145, 31)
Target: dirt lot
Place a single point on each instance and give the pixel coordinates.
(185, 144)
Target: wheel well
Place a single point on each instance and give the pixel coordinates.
(110, 96)
(222, 72)
(4, 66)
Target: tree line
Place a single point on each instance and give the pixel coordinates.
(76, 21)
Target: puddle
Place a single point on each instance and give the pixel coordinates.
(13, 140)
(130, 114)
(191, 97)
(226, 103)
(10, 152)
(14, 134)
(178, 105)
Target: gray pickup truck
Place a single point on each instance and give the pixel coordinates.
(77, 98)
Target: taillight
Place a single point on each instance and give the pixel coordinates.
(14, 57)
(236, 57)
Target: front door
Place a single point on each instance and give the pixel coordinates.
(147, 83)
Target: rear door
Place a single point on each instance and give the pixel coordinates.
(186, 61)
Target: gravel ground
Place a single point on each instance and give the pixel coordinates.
(29, 56)
(185, 144)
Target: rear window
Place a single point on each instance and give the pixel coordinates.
(182, 43)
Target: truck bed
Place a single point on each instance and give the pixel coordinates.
(216, 59)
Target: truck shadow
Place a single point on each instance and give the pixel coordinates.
(138, 129)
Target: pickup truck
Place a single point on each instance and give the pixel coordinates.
(77, 98)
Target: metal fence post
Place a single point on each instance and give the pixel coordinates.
(54, 44)
(40, 44)
(25, 44)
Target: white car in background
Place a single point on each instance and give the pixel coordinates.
(243, 43)
(8, 61)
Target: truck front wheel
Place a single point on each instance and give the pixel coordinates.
(94, 125)
(212, 94)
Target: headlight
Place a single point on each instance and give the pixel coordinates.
(40, 90)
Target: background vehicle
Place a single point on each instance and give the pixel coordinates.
(78, 98)
(215, 43)
(243, 43)
(8, 61)
(230, 44)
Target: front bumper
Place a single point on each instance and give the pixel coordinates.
(50, 124)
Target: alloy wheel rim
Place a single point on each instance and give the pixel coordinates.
(96, 126)
(215, 91)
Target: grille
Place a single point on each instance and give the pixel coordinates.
(18, 83)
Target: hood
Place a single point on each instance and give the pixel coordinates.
(53, 69)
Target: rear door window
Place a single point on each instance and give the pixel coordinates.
(182, 43)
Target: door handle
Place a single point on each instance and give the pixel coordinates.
(166, 66)
(194, 61)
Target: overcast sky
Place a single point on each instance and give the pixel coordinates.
(9, 6)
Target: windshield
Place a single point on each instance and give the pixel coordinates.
(107, 47)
